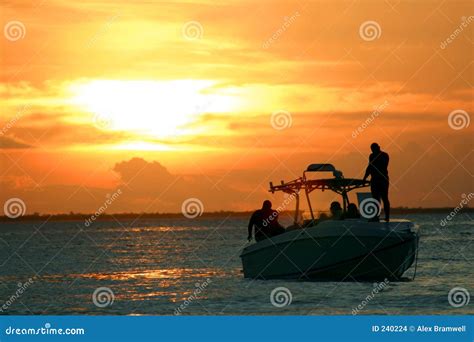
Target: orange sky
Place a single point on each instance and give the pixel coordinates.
(212, 100)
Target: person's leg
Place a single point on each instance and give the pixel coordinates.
(375, 190)
(274, 231)
(279, 230)
(386, 202)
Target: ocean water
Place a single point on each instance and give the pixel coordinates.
(192, 267)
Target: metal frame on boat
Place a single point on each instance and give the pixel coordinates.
(338, 184)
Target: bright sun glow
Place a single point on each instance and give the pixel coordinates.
(155, 108)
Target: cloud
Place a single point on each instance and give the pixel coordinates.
(322, 46)
(8, 142)
(424, 173)
(319, 69)
(149, 186)
(55, 129)
(145, 187)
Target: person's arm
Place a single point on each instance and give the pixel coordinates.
(250, 227)
(368, 170)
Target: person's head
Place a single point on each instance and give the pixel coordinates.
(335, 208)
(267, 205)
(352, 210)
(375, 147)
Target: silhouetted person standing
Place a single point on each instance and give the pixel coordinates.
(378, 171)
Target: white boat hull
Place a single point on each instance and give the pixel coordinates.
(343, 250)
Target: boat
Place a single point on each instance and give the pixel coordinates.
(347, 249)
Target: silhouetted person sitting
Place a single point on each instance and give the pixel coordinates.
(336, 210)
(352, 211)
(378, 171)
(266, 223)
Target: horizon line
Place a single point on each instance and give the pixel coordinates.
(103, 216)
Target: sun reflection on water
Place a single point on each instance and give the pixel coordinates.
(169, 273)
(154, 283)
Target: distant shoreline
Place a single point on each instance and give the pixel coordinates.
(134, 216)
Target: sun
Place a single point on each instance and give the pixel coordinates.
(147, 107)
